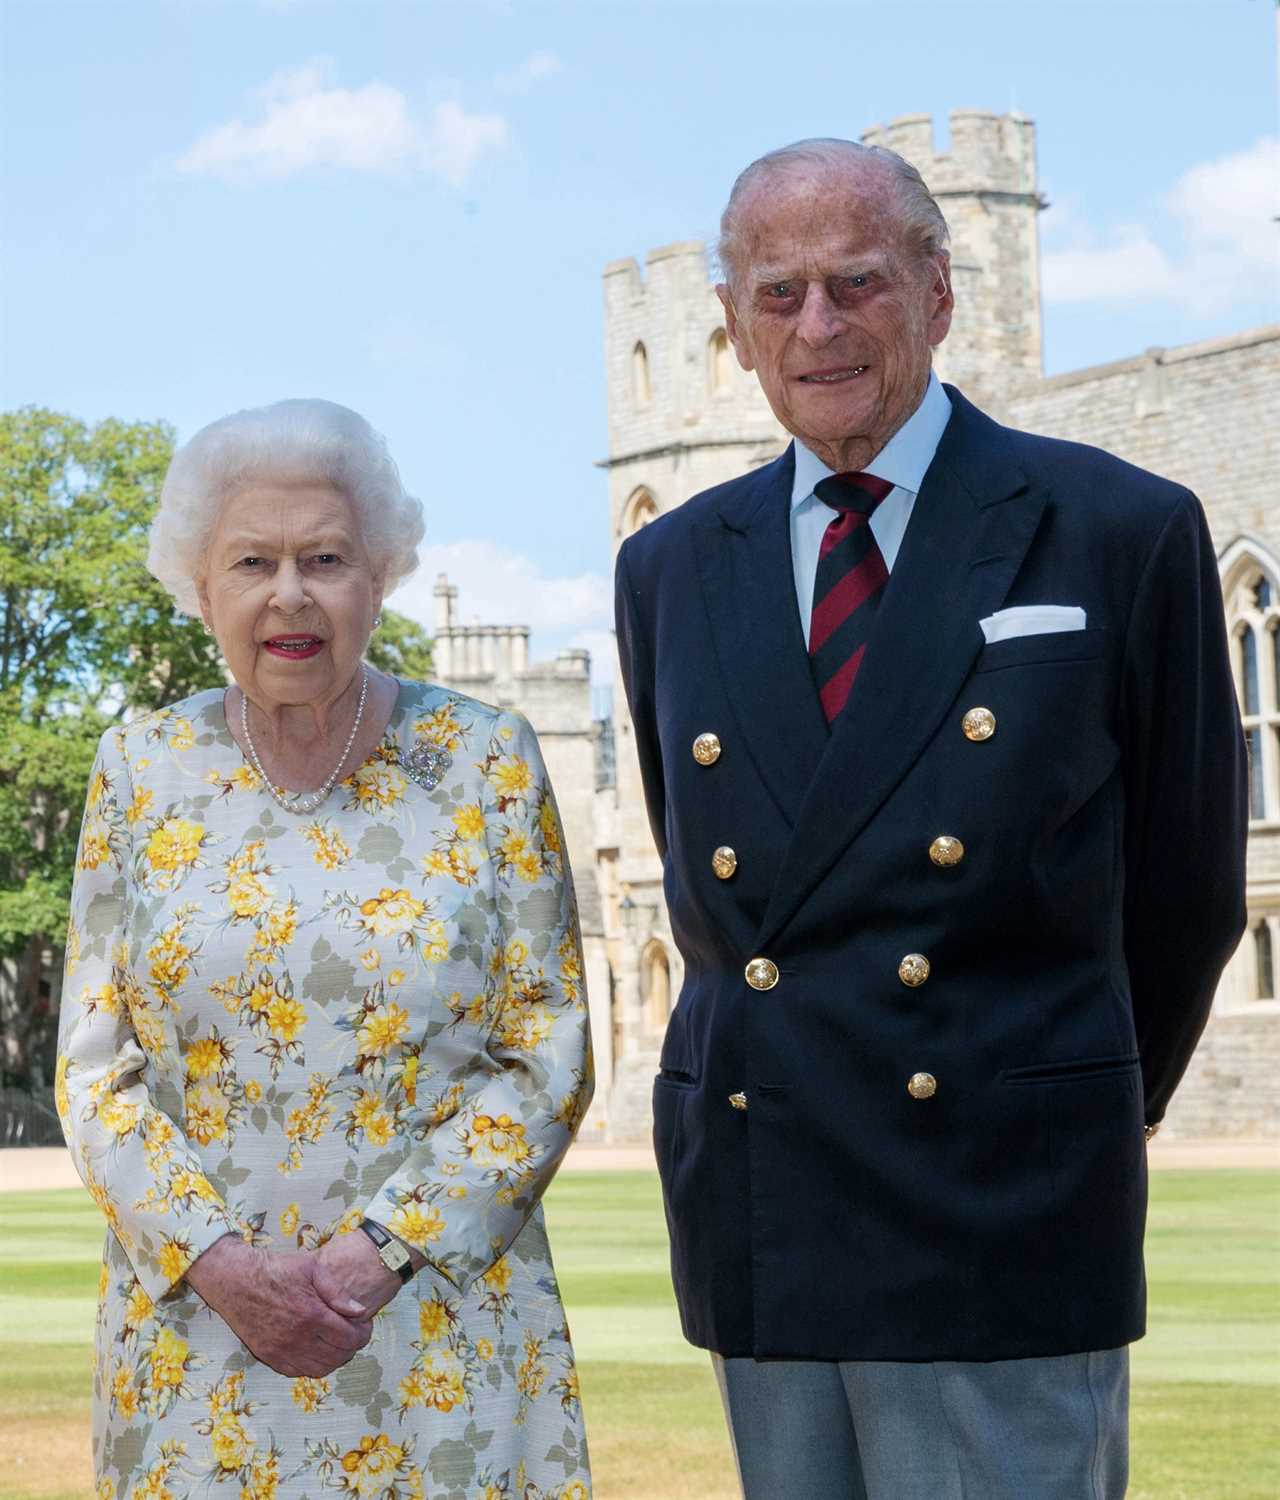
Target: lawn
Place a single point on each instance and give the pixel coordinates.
(1204, 1381)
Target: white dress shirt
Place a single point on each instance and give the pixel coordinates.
(902, 461)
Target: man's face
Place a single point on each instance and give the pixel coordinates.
(832, 312)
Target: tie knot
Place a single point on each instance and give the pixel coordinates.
(853, 491)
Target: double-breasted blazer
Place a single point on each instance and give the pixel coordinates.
(925, 1139)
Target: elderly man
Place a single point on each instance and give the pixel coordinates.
(944, 764)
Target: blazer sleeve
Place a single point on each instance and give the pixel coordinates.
(635, 658)
(1187, 800)
(141, 1170)
(494, 1134)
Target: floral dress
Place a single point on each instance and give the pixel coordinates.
(276, 1024)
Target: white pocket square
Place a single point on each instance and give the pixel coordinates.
(1032, 619)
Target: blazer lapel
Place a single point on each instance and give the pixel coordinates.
(970, 529)
(748, 587)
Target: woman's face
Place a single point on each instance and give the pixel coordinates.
(289, 592)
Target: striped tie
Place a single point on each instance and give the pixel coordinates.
(851, 577)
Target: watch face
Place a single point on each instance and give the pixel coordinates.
(394, 1256)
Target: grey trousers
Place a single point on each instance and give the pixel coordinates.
(1017, 1429)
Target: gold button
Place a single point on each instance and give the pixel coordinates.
(706, 749)
(914, 969)
(762, 974)
(978, 724)
(922, 1086)
(724, 862)
(739, 1101)
(946, 851)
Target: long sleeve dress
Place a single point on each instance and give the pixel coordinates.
(275, 1024)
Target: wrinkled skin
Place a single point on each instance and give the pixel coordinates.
(349, 1272)
(272, 1302)
(833, 310)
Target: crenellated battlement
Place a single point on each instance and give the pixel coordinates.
(989, 154)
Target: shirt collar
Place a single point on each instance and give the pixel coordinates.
(903, 459)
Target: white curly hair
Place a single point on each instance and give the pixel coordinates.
(298, 440)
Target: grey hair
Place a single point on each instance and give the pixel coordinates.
(299, 439)
(923, 223)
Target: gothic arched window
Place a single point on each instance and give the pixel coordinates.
(640, 392)
(655, 979)
(719, 362)
(640, 509)
(1264, 963)
(1253, 613)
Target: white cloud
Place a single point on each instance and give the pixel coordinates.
(497, 586)
(521, 78)
(1224, 212)
(307, 123)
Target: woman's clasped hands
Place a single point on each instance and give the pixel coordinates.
(301, 1312)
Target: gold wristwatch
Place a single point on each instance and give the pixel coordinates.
(391, 1252)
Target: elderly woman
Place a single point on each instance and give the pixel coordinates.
(324, 1037)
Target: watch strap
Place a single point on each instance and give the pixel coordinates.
(391, 1252)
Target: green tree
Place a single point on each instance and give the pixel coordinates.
(400, 646)
(86, 636)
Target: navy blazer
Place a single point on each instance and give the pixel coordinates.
(1073, 952)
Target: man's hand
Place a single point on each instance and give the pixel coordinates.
(349, 1271)
(270, 1301)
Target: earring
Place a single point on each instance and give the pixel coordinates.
(208, 629)
(377, 620)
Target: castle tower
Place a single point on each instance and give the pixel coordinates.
(986, 187)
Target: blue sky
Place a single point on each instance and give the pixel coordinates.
(406, 207)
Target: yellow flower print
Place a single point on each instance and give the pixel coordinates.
(204, 1057)
(498, 1277)
(375, 786)
(549, 825)
(526, 1028)
(183, 736)
(286, 1017)
(459, 1190)
(207, 1109)
(140, 806)
(118, 1115)
(264, 1476)
(329, 849)
(95, 845)
(516, 953)
(370, 959)
(104, 1280)
(382, 1029)
(575, 1490)
(435, 947)
(513, 846)
(174, 1258)
(416, 1224)
(168, 1360)
(440, 728)
(124, 1394)
(310, 1393)
(247, 894)
(230, 1442)
(252, 1091)
(245, 779)
(99, 786)
(434, 1322)
(106, 1489)
(437, 1383)
(498, 1142)
(528, 867)
(409, 1078)
(289, 1221)
(390, 912)
(469, 821)
(72, 947)
(511, 776)
(397, 976)
(371, 1467)
(484, 1349)
(173, 849)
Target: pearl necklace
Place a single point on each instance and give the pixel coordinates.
(299, 802)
